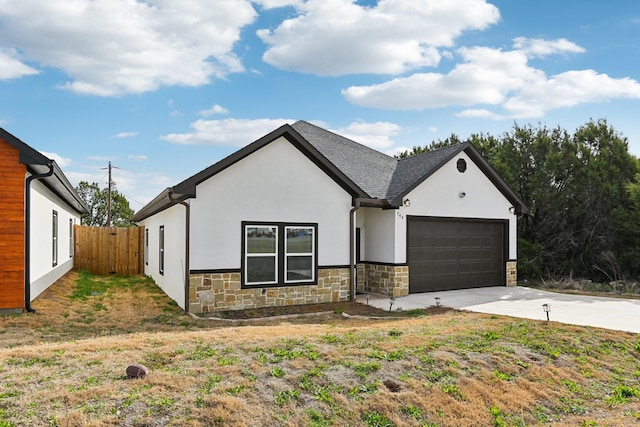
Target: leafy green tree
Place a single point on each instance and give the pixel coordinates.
(583, 193)
(96, 199)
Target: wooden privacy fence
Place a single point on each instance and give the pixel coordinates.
(109, 250)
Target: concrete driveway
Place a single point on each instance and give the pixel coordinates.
(610, 313)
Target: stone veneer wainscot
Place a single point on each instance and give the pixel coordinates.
(390, 280)
(213, 292)
(512, 273)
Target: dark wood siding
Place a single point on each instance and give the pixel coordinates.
(12, 181)
(445, 254)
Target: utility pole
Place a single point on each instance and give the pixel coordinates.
(109, 209)
(109, 199)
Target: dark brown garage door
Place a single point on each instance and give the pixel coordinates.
(446, 254)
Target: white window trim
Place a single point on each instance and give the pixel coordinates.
(275, 255)
(54, 232)
(300, 254)
(71, 224)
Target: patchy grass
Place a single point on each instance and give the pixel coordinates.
(450, 369)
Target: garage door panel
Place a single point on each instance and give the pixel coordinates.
(454, 254)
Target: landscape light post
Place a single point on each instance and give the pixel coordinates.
(546, 308)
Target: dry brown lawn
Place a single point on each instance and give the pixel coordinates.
(65, 366)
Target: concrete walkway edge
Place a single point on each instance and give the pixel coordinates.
(620, 314)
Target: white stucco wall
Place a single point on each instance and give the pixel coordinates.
(172, 281)
(439, 196)
(276, 183)
(377, 234)
(42, 271)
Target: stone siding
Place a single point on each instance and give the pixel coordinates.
(213, 292)
(512, 273)
(390, 280)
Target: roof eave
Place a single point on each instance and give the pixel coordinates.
(187, 188)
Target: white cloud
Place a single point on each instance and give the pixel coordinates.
(228, 132)
(492, 77)
(479, 113)
(11, 67)
(272, 4)
(215, 109)
(125, 135)
(61, 161)
(114, 47)
(567, 90)
(138, 157)
(541, 47)
(376, 135)
(336, 37)
(397, 151)
(102, 158)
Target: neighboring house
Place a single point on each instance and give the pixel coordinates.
(38, 209)
(303, 215)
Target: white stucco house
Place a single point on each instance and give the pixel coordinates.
(37, 216)
(303, 215)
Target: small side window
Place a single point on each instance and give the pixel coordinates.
(161, 245)
(54, 235)
(71, 238)
(146, 246)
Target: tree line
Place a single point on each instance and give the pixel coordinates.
(583, 193)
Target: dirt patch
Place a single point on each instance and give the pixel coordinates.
(338, 308)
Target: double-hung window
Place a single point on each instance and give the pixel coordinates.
(261, 254)
(279, 254)
(299, 257)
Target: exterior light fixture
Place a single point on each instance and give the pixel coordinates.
(406, 203)
(512, 209)
(437, 301)
(462, 194)
(391, 302)
(546, 308)
(367, 297)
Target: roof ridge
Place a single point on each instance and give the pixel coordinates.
(379, 153)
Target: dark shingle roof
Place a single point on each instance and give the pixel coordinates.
(363, 172)
(369, 169)
(411, 171)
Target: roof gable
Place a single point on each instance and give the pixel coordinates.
(361, 171)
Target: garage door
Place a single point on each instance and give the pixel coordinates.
(446, 254)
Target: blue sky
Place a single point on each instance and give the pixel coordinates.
(165, 88)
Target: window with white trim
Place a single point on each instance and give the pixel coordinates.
(261, 254)
(146, 246)
(54, 238)
(161, 249)
(299, 254)
(71, 220)
(278, 254)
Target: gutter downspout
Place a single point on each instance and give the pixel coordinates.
(352, 250)
(186, 248)
(27, 237)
